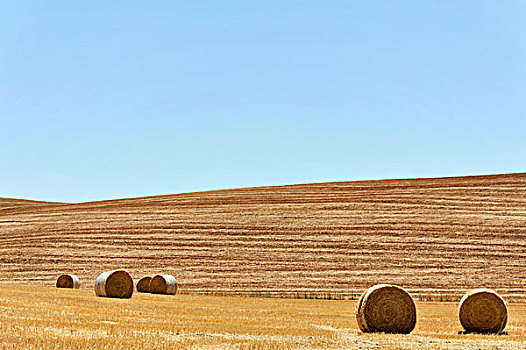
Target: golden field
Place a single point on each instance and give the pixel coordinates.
(50, 318)
(231, 250)
(435, 237)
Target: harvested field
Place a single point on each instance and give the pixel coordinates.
(50, 318)
(436, 238)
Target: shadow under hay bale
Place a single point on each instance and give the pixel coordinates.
(163, 284)
(483, 311)
(386, 308)
(143, 286)
(114, 284)
(466, 332)
(68, 281)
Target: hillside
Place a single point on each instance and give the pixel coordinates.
(7, 204)
(437, 237)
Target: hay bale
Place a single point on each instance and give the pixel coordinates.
(386, 308)
(482, 311)
(143, 286)
(163, 284)
(114, 284)
(68, 281)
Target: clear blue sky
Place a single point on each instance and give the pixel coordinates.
(115, 99)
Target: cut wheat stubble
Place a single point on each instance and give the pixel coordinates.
(386, 308)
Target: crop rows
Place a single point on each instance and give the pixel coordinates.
(436, 237)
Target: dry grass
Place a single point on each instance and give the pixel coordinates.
(435, 237)
(50, 318)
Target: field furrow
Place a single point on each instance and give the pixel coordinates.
(436, 237)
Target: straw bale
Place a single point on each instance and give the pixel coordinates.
(68, 281)
(386, 308)
(143, 286)
(163, 284)
(483, 311)
(114, 284)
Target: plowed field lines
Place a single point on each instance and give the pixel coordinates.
(436, 237)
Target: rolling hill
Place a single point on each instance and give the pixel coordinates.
(436, 237)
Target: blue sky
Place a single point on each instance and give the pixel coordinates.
(116, 99)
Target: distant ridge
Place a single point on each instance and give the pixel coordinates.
(12, 203)
(277, 186)
(435, 236)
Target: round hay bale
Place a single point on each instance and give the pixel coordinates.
(68, 281)
(114, 284)
(143, 286)
(163, 284)
(482, 311)
(386, 308)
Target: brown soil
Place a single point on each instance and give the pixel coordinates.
(435, 237)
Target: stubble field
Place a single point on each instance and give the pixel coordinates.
(49, 318)
(435, 237)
